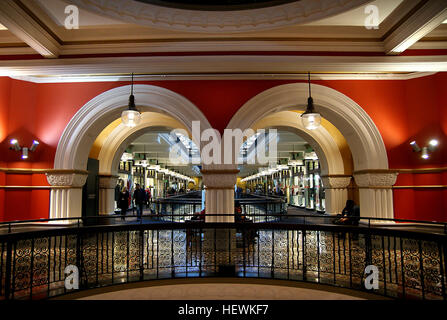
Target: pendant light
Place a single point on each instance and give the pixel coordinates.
(131, 116)
(310, 118)
(144, 161)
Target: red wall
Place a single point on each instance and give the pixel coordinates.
(5, 86)
(403, 110)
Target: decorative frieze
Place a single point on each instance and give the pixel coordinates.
(375, 179)
(74, 180)
(295, 12)
(336, 182)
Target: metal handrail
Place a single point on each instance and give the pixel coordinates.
(374, 245)
(78, 221)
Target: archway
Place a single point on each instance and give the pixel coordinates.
(332, 163)
(82, 130)
(368, 150)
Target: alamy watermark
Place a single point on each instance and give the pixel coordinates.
(372, 278)
(372, 19)
(71, 277)
(217, 149)
(72, 18)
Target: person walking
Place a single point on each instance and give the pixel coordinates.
(123, 202)
(139, 197)
(148, 198)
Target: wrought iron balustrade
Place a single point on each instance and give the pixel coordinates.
(257, 208)
(411, 264)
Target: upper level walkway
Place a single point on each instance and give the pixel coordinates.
(293, 245)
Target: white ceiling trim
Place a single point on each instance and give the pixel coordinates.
(24, 27)
(222, 64)
(422, 22)
(111, 78)
(226, 46)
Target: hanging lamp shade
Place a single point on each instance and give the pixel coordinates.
(310, 118)
(131, 117)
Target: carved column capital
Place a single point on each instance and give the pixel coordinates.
(107, 181)
(68, 179)
(219, 179)
(375, 179)
(336, 182)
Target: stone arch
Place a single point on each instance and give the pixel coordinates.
(77, 139)
(364, 139)
(96, 114)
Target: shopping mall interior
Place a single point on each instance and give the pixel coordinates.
(170, 149)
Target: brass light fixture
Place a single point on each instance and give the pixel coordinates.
(131, 117)
(310, 118)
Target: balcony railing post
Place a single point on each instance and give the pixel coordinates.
(141, 254)
(303, 248)
(368, 248)
(441, 271)
(444, 245)
(8, 274)
(79, 260)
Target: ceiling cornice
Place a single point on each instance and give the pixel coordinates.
(223, 64)
(258, 76)
(429, 16)
(27, 27)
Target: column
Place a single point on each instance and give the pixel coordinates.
(66, 194)
(336, 192)
(107, 184)
(376, 194)
(219, 197)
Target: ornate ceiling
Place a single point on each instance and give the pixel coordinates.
(218, 5)
(187, 18)
(249, 39)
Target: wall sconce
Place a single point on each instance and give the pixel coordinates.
(16, 146)
(425, 151)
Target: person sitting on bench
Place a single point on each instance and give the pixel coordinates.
(238, 216)
(350, 214)
(198, 216)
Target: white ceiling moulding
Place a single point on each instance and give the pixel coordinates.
(223, 64)
(178, 45)
(258, 76)
(418, 25)
(296, 12)
(22, 25)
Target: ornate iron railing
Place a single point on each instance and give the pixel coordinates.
(411, 265)
(182, 207)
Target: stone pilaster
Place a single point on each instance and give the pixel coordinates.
(336, 192)
(376, 194)
(219, 197)
(66, 196)
(107, 185)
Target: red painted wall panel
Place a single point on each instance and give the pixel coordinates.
(5, 89)
(402, 110)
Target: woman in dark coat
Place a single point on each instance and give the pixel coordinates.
(123, 201)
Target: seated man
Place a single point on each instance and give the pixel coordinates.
(238, 216)
(198, 216)
(350, 214)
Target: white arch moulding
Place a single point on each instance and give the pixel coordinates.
(77, 139)
(364, 139)
(326, 149)
(113, 147)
